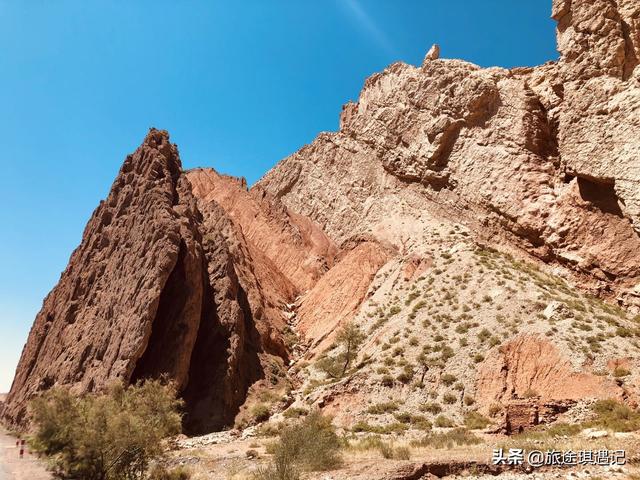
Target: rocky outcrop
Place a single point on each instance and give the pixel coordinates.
(546, 155)
(295, 245)
(599, 115)
(529, 366)
(338, 296)
(158, 286)
(522, 415)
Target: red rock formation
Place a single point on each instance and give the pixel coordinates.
(295, 245)
(532, 366)
(338, 295)
(155, 287)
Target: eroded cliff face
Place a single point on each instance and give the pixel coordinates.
(158, 286)
(547, 156)
(389, 222)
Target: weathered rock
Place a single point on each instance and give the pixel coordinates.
(338, 295)
(156, 287)
(532, 366)
(139, 250)
(548, 155)
(295, 245)
(522, 415)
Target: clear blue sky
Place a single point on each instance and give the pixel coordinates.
(238, 84)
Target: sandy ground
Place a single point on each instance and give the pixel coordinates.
(12, 467)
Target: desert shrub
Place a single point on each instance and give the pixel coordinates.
(457, 436)
(478, 357)
(406, 375)
(411, 297)
(530, 393)
(475, 421)
(402, 453)
(484, 335)
(350, 338)
(395, 427)
(386, 450)
(269, 429)
(331, 366)
(387, 381)
(295, 412)
(446, 353)
(615, 416)
(449, 398)
(282, 468)
(403, 417)
(620, 372)
(311, 444)
(260, 413)
(433, 408)
(380, 408)
(112, 436)
(468, 400)
(444, 422)
(495, 409)
(563, 430)
(159, 472)
(448, 379)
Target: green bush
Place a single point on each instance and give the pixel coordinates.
(458, 436)
(444, 422)
(380, 408)
(615, 416)
(476, 421)
(112, 436)
(260, 413)
(311, 444)
(159, 472)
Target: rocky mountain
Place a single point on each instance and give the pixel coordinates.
(481, 226)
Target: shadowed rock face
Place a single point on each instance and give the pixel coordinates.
(156, 287)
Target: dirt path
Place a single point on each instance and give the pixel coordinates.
(12, 467)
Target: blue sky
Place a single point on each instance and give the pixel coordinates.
(239, 85)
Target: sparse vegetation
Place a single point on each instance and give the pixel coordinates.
(311, 444)
(476, 421)
(444, 422)
(350, 337)
(260, 413)
(380, 408)
(457, 436)
(619, 372)
(449, 398)
(113, 436)
(613, 415)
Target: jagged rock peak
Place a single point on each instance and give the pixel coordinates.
(433, 53)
